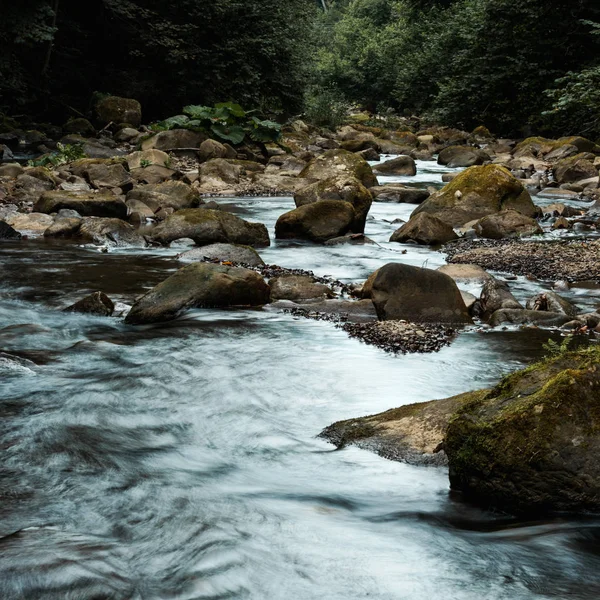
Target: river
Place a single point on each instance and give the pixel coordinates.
(180, 461)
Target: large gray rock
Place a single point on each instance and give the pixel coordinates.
(317, 222)
(462, 156)
(340, 162)
(110, 232)
(401, 165)
(496, 295)
(575, 168)
(206, 226)
(199, 285)
(401, 291)
(103, 204)
(399, 193)
(245, 255)
(108, 176)
(168, 194)
(506, 224)
(97, 304)
(521, 316)
(476, 193)
(552, 302)
(298, 288)
(346, 188)
(174, 139)
(424, 229)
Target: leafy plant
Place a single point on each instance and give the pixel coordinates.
(226, 121)
(326, 107)
(144, 163)
(65, 153)
(554, 349)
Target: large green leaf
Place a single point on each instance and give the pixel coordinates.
(198, 112)
(234, 109)
(234, 133)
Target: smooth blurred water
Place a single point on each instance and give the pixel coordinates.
(180, 461)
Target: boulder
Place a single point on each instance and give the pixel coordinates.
(522, 316)
(103, 204)
(234, 253)
(401, 165)
(399, 193)
(346, 188)
(506, 224)
(97, 304)
(339, 162)
(530, 445)
(297, 288)
(219, 174)
(424, 229)
(112, 109)
(402, 291)
(174, 139)
(11, 170)
(108, 176)
(110, 232)
(79, 125)
(552, 302)
(199, 285)
(152, 174)
(574, 168)
(8, 233)
(135, 160)
(477, 192)
(317, 222)
(64, 228)
(496, 295)
(210, 149)
(168, 194)
(29, 223)
(206, 226)
(462, 156)
(466, 273)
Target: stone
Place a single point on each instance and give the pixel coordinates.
(521, 316)
(317, 222)
(477, 192)
(67, 227)
(424, 229)
(110, 232)
(574, 168)
(97, 304)
(345, 188)
(496, 295)
(135, 160)
(552, 302)
(506, 224)
(8, 233)
(211, 149)
(167, 194)
(370, 154)
(234, 253)
(199, 285)
(298, 288)
(103, 204)
(219, 174)
(174, 139)
(112, 109)
(399, 193)
(29, 223)
(79, 125)
(462, 156)
(206, 226)
(127, 134)
(466, 273)
(108, 176)
(11, 170)
(401, 291)
(529, 445)
(339, 162)
(401, 165)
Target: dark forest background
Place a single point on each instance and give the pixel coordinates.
(516, 67)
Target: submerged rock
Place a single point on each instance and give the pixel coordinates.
(298, 288)
(199, 285)
(234, 253)
(401, 165)
(97, 304)
(530, 445)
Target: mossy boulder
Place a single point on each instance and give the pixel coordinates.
(477, 192)
(112, 109)
(200, 285)
(344, 187)
(575, 168)
(317, 221)
(103, 204)
(530, 445)
(540, 146)
(206, 226)
(339, 162)
(402, 291)
(424, 229)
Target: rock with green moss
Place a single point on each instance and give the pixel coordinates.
(539, 146)
(339, 162)
(575, 168)
(206, 226)
(103, 204)
(113, 109)
(199, 285)
(317, 222)
(531, 444)
(343, 187)
(477, 192)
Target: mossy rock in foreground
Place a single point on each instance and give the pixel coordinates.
(531, 445)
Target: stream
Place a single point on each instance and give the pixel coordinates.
(180, 461)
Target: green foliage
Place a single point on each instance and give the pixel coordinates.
(226, 121)
(64, 154)
(554, 349)
(325, 107)
(145, 163)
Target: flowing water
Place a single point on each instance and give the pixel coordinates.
(180, 461)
